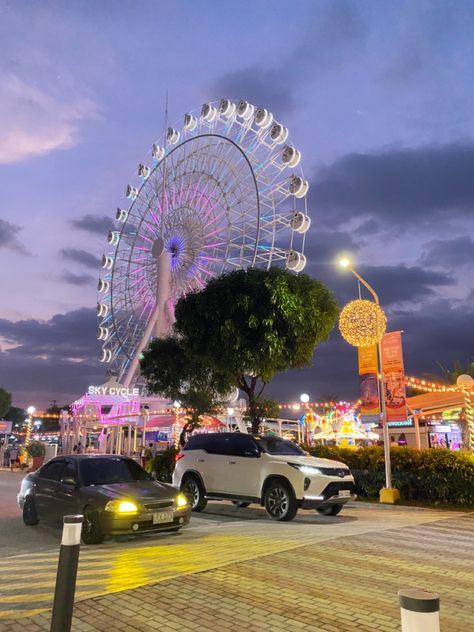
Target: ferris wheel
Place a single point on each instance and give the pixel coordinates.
(220, 192)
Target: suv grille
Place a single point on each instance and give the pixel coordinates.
(162, 504)
(335, 471)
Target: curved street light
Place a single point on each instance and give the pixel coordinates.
(387, 494)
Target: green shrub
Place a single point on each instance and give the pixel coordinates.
(35, 448)
(424, 475)
(163, 465)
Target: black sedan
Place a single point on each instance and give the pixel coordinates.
(114, 493)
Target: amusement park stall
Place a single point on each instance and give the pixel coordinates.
(113, 419)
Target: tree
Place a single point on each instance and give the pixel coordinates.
(16, 415)
(260, 409)
(450, 375)
(5, 402)
(248, 325)
(170, 370)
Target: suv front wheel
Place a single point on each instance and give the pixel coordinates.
(280, 502)
(194, 492)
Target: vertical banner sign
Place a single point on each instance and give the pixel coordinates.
(369, 392)
(394, 376)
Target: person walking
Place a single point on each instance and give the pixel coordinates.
(14, 457)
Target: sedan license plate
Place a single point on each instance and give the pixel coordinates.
(344, 492)
(162, 516)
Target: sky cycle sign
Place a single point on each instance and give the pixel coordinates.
(114, 390)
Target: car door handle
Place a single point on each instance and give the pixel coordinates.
(200, 460)
(231, 462)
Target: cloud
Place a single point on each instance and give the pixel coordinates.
(77, 279)
(98, 224)
(34, 122)
(335, 33)
(80, 256)
(323, 246)
(54, 358)
(369, 227)
(9, 237)
(394, 284)
(67, 335)
(402, 186)
(397, 284)
(449, 253)
(263, 88)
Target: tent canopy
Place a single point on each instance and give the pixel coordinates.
(429, 403)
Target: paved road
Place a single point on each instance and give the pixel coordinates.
(329, 568)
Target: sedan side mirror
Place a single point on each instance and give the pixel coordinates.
(69, 481)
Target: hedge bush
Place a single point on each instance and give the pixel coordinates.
(36, 448)
(163, 465)
(423, 475)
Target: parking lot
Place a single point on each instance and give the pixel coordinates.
(236, 567)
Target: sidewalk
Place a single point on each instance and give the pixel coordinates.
(347, 584)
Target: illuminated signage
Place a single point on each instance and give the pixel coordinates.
(113, 390)
(5, 427)
(401, 424)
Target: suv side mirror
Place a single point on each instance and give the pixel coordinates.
(69, 481)
(252, 454)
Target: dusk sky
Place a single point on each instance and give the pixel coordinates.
(378, 95)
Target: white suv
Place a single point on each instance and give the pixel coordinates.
(267, 470)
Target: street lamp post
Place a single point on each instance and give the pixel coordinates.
(388, 494)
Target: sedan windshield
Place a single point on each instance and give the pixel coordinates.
(275, 445)
(111, 470)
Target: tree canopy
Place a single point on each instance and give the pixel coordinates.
(242, 329)
(171, 371)
(5, 402)
(449, 375)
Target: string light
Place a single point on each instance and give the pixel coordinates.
(430, 387)
(362, 323)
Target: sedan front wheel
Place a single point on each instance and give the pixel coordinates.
(30, 516)
(91, 530)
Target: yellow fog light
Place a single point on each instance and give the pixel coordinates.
(127, 507)
(181, 500)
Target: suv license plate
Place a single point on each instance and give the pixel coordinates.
(163, 516)
(344, 492)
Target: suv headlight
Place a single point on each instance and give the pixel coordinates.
(306, 469)
(121, 506)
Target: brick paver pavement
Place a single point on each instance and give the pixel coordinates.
(339, 585)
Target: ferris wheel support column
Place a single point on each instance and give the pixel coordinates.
(157, 324)
(163, 280)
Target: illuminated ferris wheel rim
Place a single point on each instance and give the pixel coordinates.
(236, 150)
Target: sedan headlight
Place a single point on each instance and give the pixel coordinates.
(121, 506)
(181, 501)
(306, 469)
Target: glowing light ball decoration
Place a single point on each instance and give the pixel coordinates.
(362, 323)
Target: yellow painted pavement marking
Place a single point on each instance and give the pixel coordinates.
(129, 565)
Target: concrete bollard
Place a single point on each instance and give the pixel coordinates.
(66, 575)
(419, 610)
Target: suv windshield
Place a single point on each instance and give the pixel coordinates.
(275, 445)
(111, 470)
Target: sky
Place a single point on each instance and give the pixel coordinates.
(377, 96)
